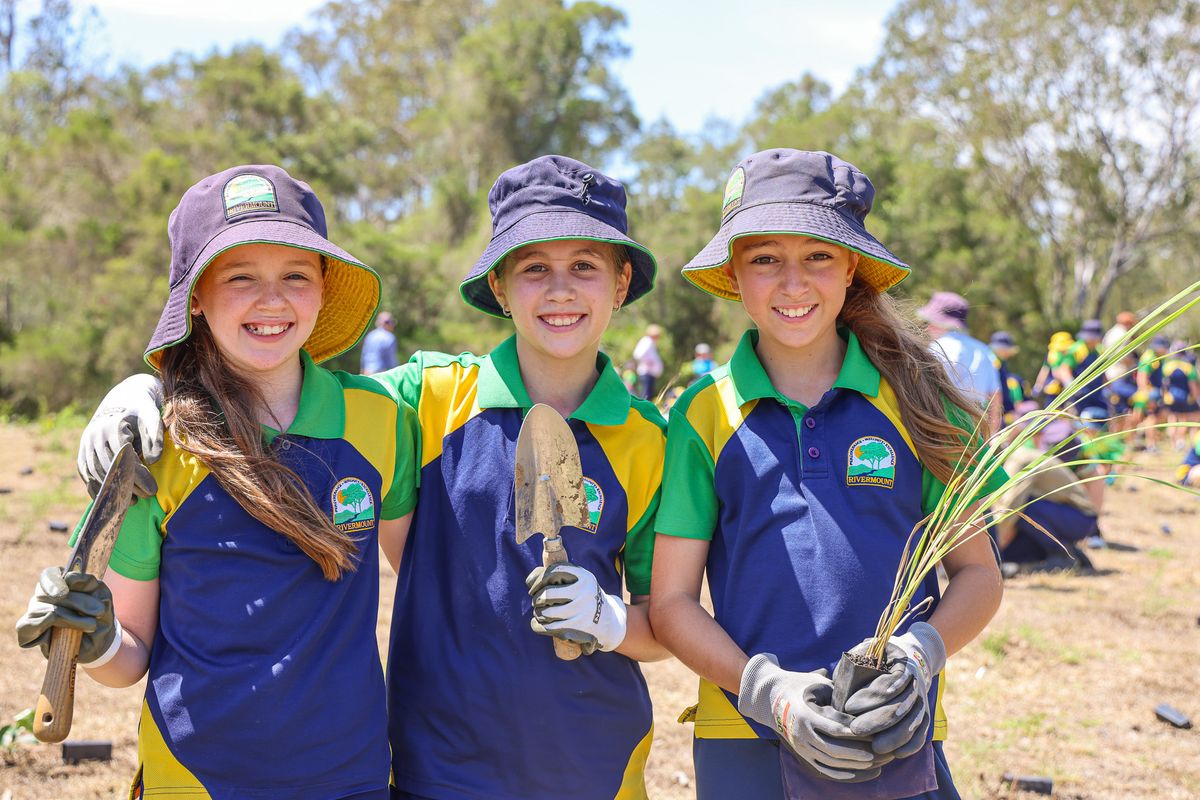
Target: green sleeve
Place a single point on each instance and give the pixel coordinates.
(639, 549)
(402, 496)
(933, 488)
(689, 499)
(138, 550)
(405, 380)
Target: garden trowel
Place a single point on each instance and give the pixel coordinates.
(548, 483)
(56, 704)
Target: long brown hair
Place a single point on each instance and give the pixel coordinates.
(899, 349)
(211, 413)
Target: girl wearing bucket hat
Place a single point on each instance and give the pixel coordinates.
(246, 580)
(479, 705)
(794, 476)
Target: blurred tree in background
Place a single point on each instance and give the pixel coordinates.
(1039, 159)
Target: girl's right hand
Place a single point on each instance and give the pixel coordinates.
(72, 600)
(132, 407)
(894, 708)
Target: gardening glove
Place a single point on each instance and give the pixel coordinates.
(894, 709)
(72, 600)
(796, 704)
(132, 407)
(568, 603)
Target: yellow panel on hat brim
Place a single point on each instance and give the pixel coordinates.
(878, 274)
(351, 296)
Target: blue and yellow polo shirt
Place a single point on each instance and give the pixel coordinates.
(479, 705)
(807, 510)
(1078, 358)
(265, 678)
(1150, 364)
(1179, 376)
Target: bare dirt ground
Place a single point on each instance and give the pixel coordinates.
(1062, 684)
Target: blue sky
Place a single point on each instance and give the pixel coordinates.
(689, 61)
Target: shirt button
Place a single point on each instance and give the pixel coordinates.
(810, 422)
(814, 452)
(284, 444)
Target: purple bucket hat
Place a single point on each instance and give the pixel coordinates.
(946, 310)
(550, 198)
(262, 204)
(798, 192)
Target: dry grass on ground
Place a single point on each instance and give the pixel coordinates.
(1063, 683)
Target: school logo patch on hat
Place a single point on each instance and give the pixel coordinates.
(595, 504)
(246, 193)
(734, 188)
(871, 462)
(353, 505)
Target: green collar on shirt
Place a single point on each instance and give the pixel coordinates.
(500, 386)
(322, 412)
(751, 382)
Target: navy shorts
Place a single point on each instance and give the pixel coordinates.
(1066, 523)
(749, 768)
(1178, 401)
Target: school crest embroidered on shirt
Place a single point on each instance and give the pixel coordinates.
(733, 191)
(353, 505)
(246, 193)
(595, 503)
(871, 462)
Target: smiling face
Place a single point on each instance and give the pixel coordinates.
(793, 287)
(261, 303)
(562, 295)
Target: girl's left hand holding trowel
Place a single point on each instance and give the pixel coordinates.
(73, 600)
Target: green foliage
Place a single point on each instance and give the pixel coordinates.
(18, 732)
(1041, 160)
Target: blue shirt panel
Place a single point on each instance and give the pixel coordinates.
(484, 728)
(801, 564)
(263, 654)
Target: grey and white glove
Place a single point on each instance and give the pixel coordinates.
(797, 706)
(72, 600)
(894, 709)
(131, 408)
(568, 603)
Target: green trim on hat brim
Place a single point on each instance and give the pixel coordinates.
(716, 282)
(462, 287)
(154, 363)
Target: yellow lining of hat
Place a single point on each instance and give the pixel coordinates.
(880, 275)
(351, 297)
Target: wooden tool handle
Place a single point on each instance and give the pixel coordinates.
(56, 704)
(553, 552)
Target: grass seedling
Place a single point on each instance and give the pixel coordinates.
(965, 510)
